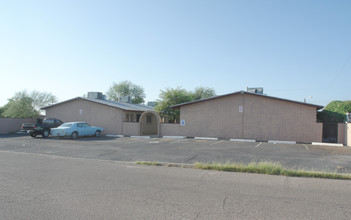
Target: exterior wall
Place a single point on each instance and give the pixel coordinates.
(149, 128)
(214, 118)
(131, 129)
(245, 116)
(170, 129)
(9, 125)
(93, 113)
(270, 119)
(341, 133)
(348, 134)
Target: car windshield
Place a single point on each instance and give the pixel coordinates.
(66, 125)
(48, 121)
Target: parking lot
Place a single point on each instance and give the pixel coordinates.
(186, 151)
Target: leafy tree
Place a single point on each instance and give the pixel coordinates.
(335, 111)
(20, 106)
(126, 88)
(24, 105)
(171, 97)
(202, 93)
(2, 109)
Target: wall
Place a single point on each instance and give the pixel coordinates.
(341, 133)
(214, 118)
(131, 129)
(149, 128)
(9, 125)
(246, 116)
(93, 113)
(271, 119)
(170, 129)
(348, 134)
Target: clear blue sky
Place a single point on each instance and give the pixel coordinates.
(292, 48)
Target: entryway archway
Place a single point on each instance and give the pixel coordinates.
(150, 123)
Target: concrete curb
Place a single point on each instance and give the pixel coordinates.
(243, 140)
(166, 164)
(206, 138)
(281, 142)
(146, 137)
(174, 137)
(327, 144)
(114, 135)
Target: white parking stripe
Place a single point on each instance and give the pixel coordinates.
(182, 140)
(258, 145)
(217, 142)
(306, 147)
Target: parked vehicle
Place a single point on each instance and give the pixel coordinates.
(41, 127)
(75, 130)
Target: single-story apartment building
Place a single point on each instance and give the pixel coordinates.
(239, 115)
(114, 117)
(245, 115)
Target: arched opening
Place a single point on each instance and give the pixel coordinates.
(150, 123)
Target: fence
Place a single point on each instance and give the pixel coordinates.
(11, 125)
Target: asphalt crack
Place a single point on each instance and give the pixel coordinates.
(191, 158)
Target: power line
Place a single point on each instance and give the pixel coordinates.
(337, 75)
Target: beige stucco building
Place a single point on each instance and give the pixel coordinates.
(239, 115)
(115, 117)
(244, 115)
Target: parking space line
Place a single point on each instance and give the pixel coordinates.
(258, 145)
(182, 140)
(136, 141)
(306, 147)
(217, 142)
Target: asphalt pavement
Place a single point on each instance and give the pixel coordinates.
(186, 151)
(45, 186)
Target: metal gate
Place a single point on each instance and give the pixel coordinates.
(330, 132)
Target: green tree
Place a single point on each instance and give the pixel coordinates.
(126, 88)
(171, 97)
(335, 111)
(20, 106)
(2, 109)
(202, 93)
(27, 105)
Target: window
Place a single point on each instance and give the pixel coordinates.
(49, 121)
(58, 122)
(149, 119)
(127, 117)
(137, 117)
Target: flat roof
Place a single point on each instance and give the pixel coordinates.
(119, 105)
(243, 92)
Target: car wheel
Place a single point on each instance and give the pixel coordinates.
(33, 135)
(97, 133)
(45, 133)
(74, 135)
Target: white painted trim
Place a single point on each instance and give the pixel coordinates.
(327, 144)
(243, 140)
(115, 135)
(282, 142)
(206, 138)
(146, 137)
(174, 137)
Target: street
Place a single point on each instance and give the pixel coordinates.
(34, 186)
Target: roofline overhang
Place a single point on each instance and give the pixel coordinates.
(90, 100)
(318, 107)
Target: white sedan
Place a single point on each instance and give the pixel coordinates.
(75, 130)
